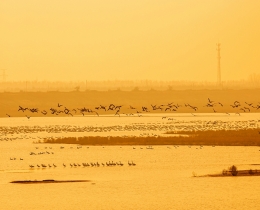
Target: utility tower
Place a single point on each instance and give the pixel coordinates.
(219, 70)
(3, 75)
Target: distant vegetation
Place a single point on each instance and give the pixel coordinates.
(247, 137)
(125, 85)
(232, 171)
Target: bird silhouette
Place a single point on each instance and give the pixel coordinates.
(44, 112)
(117, 113)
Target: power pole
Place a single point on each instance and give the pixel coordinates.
(3, 75)
(219, 70)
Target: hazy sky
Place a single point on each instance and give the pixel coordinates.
(129, 39)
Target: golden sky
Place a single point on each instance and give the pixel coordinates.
(129, 39)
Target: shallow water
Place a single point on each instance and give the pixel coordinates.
(162, 178)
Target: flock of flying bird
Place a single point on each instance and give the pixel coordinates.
(124, 110)
(116, 109)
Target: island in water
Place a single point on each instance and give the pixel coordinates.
(46, 181)
(232, 171)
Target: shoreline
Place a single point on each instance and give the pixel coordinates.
(250, 172)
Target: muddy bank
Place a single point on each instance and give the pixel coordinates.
(232, 171)
(239, 173)
(46, 181)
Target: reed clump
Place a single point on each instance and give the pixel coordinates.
(245, 137)
(233, 171)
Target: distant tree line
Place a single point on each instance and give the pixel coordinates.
(125, 85)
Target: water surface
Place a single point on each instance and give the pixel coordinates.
(162, 178)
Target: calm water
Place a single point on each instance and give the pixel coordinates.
(162, 178)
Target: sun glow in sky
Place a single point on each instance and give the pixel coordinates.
(129, 39)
